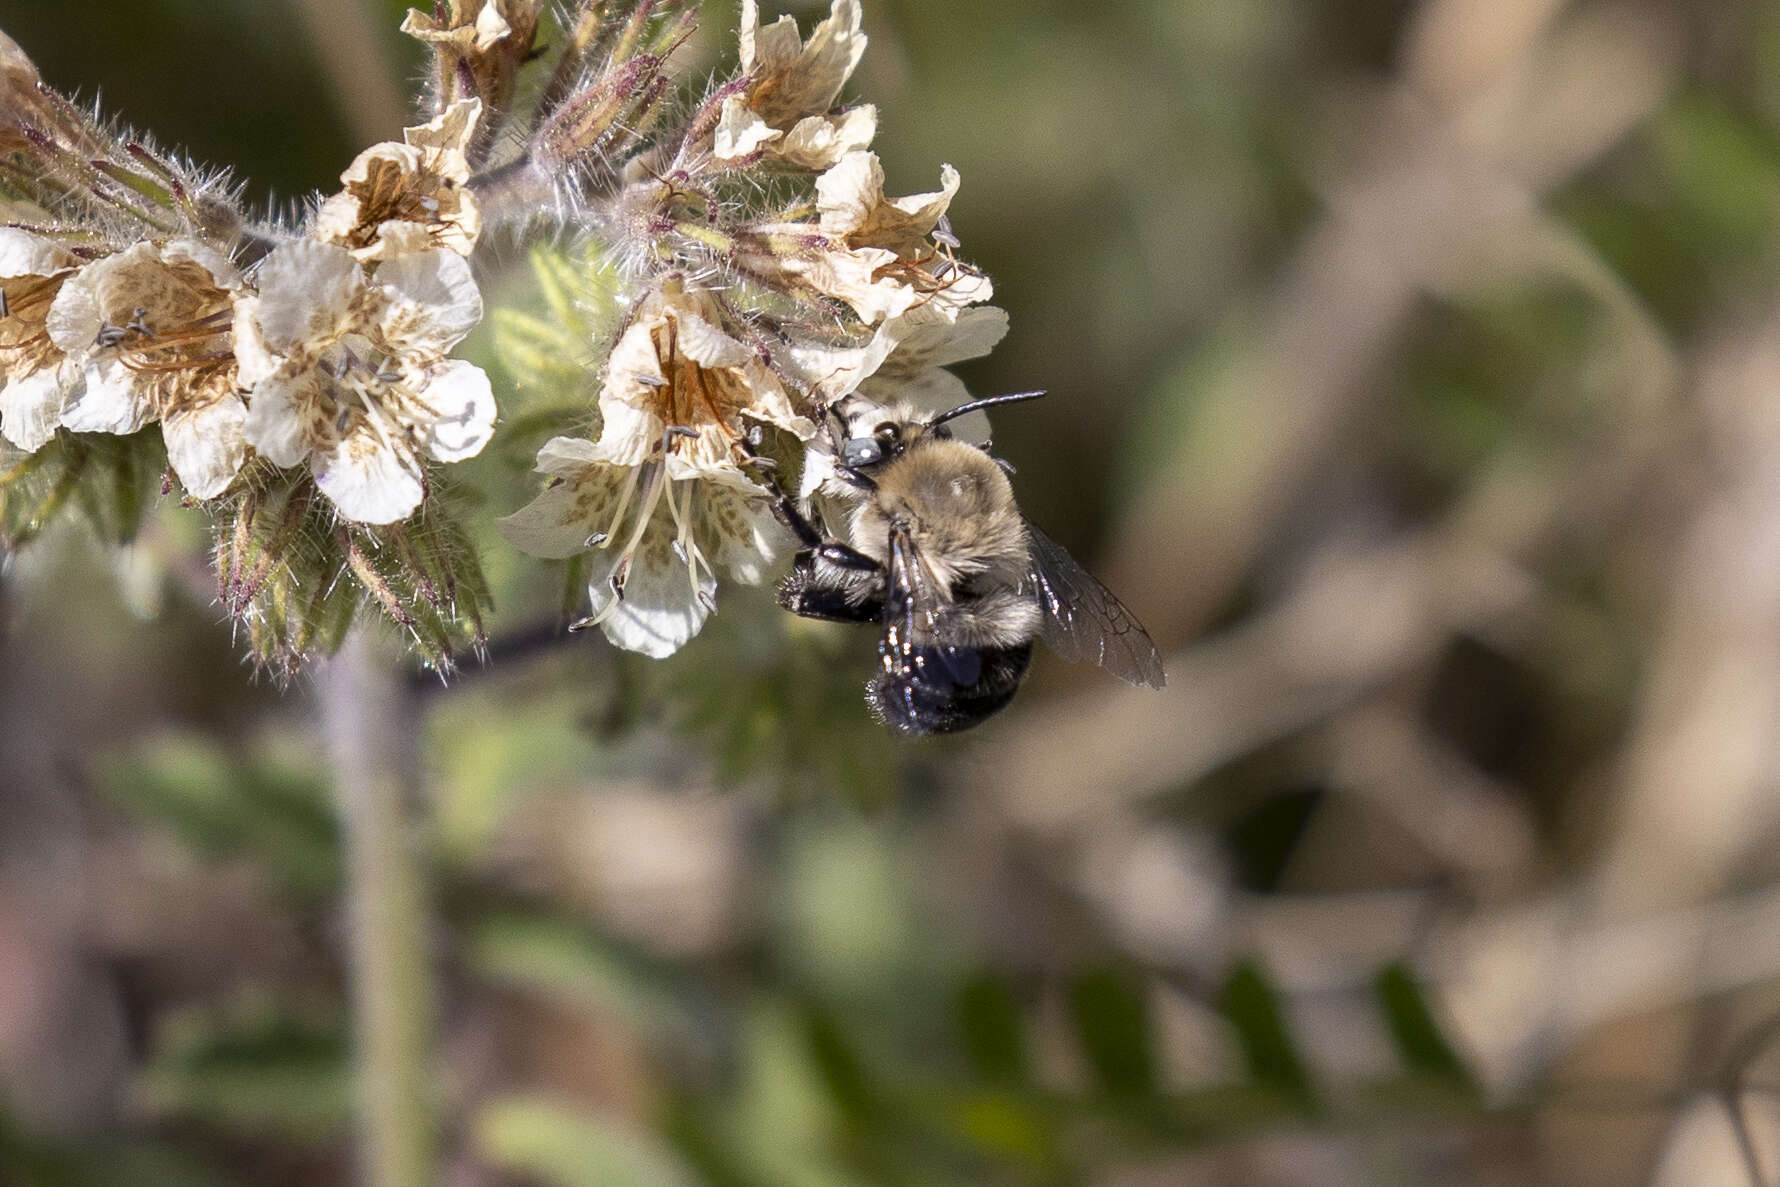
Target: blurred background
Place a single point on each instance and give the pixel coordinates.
(1415, 373)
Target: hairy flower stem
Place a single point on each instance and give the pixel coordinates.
(367, 719)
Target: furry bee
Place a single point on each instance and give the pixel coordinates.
(938, 555)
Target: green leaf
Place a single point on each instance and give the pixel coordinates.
(573, 965)
(259, 1072)
(1253, 1008)
(109, 479)
(565, 1148)
(222, 806)
(990, 1020)
(836, 1062)
(1113, 1022)
(1413, 1028)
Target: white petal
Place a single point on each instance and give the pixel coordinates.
(660, 611)
(366, 479)
(849, 192)
(222, 269)
(434, 303)
(491, 28)
(108, 402)
(460, 393)
(404, 157)
(205, 446)
(254, 360)
(306, 291)
(628, 434)
(926, 341)
(25, 254)
(31, 406)
(74, 317)
(773, 48)
(708, 346)
(565, 455)
(924, 209)
(279, 418)
(933, 391)
(740, 130)
(748, 537)
(818, 141)
(453, 130)
(548, 526)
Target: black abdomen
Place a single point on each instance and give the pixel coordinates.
(919, 697)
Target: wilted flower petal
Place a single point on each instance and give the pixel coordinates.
(149, 327)
(37, 377)
(408, 198)
(785, 113)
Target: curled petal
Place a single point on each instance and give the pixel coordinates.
(708, 346)
(566, 455)
(254, 360)
(820, 141)
(740, 130)
(25, 254)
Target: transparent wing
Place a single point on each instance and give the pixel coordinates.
(1082, 618)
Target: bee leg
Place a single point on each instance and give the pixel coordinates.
(784, 510)
(845, 556)
(807, 592)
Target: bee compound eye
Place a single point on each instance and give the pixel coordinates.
(861, 451)
(887, 432)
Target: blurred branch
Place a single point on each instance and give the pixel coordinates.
(371, 734)
(351, 49)
(1445, 174)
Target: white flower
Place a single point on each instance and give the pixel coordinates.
(785, 113)
(37, 377)
(904, 363)
(899, 372)
(676, 392)
(875, 253)
(405, 198)
(350, 374)
(149, 328)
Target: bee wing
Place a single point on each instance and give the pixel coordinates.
(914, 652)
(1082, 618)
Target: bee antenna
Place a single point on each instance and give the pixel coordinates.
(986, 402)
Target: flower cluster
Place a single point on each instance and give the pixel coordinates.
(746, 316)
(297, 375)
(308, 358)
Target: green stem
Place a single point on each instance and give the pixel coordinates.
(368, 720)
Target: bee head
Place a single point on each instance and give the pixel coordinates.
(885, 441)
(889, 438)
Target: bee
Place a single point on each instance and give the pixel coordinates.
(938, 556)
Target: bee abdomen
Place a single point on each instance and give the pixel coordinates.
(916, 696)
